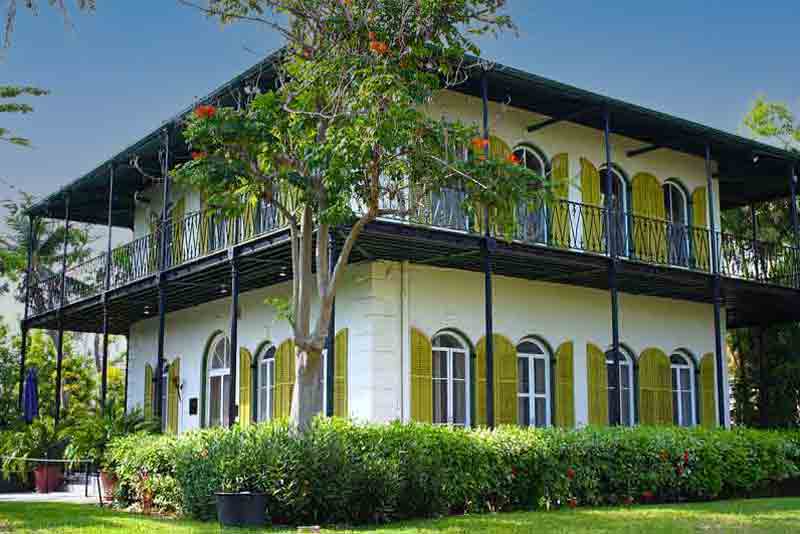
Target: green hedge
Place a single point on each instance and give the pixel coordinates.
(345, 473)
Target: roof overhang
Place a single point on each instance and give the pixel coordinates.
(744, 178)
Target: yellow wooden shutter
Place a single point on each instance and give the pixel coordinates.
(245, 387)
(591, 216)
(561, 225)
(655, 388)
(177, 218)
(173, 396)
(565, 385)
(505, 381)
(701, 241)
(284, 378)
(340, 408)
(205, 224)
(708, 394)
(597, 377)
(147, 403)
(421, 377)
(649, 221)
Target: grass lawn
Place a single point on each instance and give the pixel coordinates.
(764, 515)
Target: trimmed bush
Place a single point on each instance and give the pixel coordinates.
(341, 472)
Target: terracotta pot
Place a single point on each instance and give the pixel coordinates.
(108, 483)
(48, 477)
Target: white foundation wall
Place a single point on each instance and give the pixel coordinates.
(380, 301)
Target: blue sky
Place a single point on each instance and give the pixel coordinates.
(119, 73)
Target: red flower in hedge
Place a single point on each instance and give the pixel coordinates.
(379, 47)
(205, 112)
(572, 502)
(679, 470)
(647, 495)
(628, 500)
(686, 457)
(199, 155)
(570, 473)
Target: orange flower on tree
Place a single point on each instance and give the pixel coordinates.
(199, 155)
(479, 143)
(205, 112)
(513, 159)
(379, 47)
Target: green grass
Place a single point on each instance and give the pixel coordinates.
(763, 515)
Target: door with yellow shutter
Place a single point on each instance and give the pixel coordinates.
(506, 384)
(340, 407)
(565, 385)
(655, 388)
(284, 378)
(245, 387)
(708, 388)
(421, 377)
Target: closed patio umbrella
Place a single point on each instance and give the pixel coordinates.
(30, 397)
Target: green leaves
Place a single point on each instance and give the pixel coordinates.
(774, 121)
(9, 92)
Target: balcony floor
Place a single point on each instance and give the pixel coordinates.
(265, 261)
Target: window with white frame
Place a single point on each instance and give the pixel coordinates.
(265, 384)
(683, 399)
(532, 219)
(676, 208)
(620, 403)
(219, 381)
(450, 380)
(533, 378)
(164, 398)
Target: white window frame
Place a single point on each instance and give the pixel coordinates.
(532, 395)
(165, 398)
(625, 366)
(671, 185)
(222, 373)
(527, 150)
(451, 352)
(676, 388)
(623, 186)
(267, 361)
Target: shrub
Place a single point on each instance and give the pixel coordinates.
(340, 472)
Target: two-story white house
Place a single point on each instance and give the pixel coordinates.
(629, 254)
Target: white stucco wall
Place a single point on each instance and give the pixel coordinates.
(381, 301)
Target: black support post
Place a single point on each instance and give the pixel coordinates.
(23, 352)
(62, 300)
(330, 363)
(793, 204)
(234, 336)
(162, 289)
(104, 371)
(486, 252)
(716, 288)
(611, 244)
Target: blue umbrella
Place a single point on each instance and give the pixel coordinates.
(30, 398)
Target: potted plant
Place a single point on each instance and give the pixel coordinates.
(33, 445)
(90, 434)
(239, 502)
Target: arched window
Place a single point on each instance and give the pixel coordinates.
(265, 384)
(532, 224)
(219, 381)
(164, 397)
(625, 413)
(450, 380)
(533, 378)
(676, 208)
(619, 205)
(683, 403)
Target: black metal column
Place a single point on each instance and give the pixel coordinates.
(62, 299)
(24, 326)
(487, 247)
(793, 204)
(162, 290)
(234, 337)
(611, 244)
(716, 289)
(754, 235)
(104, 371)
(330, 364)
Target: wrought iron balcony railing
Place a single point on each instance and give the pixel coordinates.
(558, 224)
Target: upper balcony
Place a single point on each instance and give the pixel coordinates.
(552, 226)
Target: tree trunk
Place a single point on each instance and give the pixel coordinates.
(307, 394)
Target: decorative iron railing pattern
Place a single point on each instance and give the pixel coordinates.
(558, 224)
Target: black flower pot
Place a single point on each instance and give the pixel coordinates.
(244, 509)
